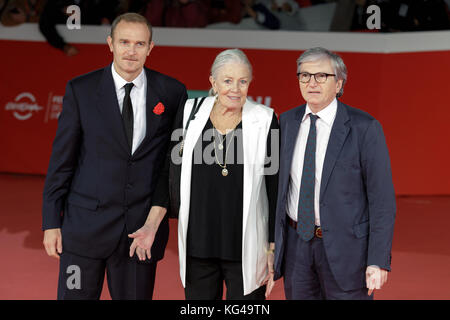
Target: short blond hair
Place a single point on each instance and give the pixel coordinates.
(131, 17)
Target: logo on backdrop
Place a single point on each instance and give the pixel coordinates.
(267, 100)
(23, 106)
(54, 107)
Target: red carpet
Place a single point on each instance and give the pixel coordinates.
(420, 258)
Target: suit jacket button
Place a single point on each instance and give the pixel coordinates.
(129, 186)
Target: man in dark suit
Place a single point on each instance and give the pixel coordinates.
(103, 177)
(336, 201)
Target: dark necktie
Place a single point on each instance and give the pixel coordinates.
(127, 114)
(306, 217)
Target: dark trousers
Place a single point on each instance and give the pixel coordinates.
(307, 274)
(81, 278)
(205, 277)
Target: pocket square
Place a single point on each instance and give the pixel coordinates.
(158, 109)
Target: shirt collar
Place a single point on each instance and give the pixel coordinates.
(119, 82)
(327, 114)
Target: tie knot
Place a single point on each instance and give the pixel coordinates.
(313, 118)
(128, 87)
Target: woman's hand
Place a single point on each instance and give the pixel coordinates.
(269, 278)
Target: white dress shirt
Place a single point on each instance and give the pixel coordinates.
(323, 129)
(138, 97)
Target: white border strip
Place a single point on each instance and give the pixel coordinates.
(255, 39)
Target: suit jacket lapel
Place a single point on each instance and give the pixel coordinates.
(109, 108)
(338, 135)
(291, 133)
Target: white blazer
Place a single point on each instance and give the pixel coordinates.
(256, 120)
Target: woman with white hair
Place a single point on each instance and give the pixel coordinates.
(227, 194)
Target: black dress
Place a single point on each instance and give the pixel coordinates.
(216, 204)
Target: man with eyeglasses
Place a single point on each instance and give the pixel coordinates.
(336, 201)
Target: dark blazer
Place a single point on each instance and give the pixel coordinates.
(94, 187)
(357, 199)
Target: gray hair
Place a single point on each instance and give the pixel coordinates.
(131, 17)
(228, 56)
(337, 63)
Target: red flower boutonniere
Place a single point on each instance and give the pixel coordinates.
(158, 109)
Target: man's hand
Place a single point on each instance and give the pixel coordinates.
(53, 242)
(143, 241)
(375, 278)
(144, 237)
(70, 50)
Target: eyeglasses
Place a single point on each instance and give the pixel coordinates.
(321, 77)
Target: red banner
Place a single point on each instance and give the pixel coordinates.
(406, 92)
